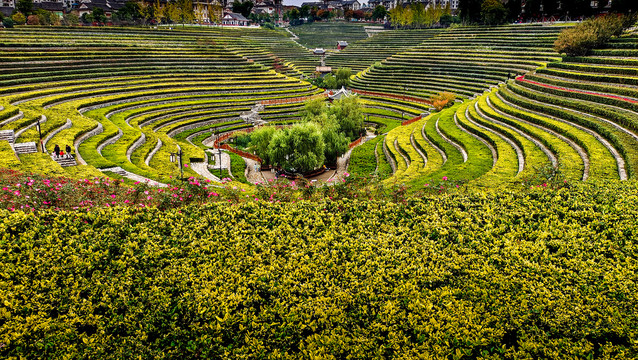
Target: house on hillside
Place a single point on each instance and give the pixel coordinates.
(56, 7)
(7, 7)
(264, 7)
(108, 6)
(341, 45)
(350, 5)
(235, 19)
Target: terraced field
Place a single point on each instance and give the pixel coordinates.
(578, 115)
(125, 99)
(326, 34)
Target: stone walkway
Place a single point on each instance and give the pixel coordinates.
(201, 168)
(134, 177)
(213, 159)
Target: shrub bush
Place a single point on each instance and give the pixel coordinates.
(589, 34)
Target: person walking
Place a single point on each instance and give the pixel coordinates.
(68, 151)
(56, 150)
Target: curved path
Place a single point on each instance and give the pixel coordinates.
(620, 161)
(581, 152)
(517, 149)
(550, 155)
(438, 149)
(402, 153)
(418, 150)
(449, 141)
(489, 146)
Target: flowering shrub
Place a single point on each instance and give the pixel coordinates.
(445, 185)
(507, 275)
(20, 191)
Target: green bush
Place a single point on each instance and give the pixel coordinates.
(589, 34)
(538, 274)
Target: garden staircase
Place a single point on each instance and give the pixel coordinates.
(65, 161)
(252, 116)
(25, 148)
(7, 135)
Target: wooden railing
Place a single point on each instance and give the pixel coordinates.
(356, 142)
(414, 119)
(217, 144)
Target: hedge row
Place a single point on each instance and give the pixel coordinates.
(538, 274)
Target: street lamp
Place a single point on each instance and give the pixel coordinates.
(37, 125)
(220, 161)
(219, 149)
(178, 156)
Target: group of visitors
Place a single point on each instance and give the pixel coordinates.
(60, 153)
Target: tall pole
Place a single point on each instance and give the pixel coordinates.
(220, 162)
(40, 133)
(181, 166)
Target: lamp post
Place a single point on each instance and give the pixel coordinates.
(178, 156)
(405, 89)
(37, 125)
(220, 161)
(219, 150)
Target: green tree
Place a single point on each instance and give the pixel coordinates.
(243, 8)
(470, 10)
(313, 109)
(18, 18)
(71, 19)
(330, 82)
(343, 77)
(418, 14)
(7, 22)
(589, 34)
(335, 141)
(172, 12)
(349, 116)
(493, 12)
(87, 18)
(24, 6)
(186, 13)
(98, 15)
(260, 141)
(294, 14)
(379, 12)
(299, 148)
(129, 12)
(304, 12)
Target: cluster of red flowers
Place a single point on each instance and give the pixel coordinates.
(21, 191)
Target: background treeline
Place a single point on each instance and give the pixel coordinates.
(471, 10)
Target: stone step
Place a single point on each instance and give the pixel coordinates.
(7, 135)
(65, 161)
(25, 148)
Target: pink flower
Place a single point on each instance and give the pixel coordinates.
(445, 178)
(113, 196)
(185, 165)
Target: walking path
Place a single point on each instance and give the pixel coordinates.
(127, 174)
